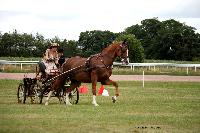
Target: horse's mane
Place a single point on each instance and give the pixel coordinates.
(112, 46)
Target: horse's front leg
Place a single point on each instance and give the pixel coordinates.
(109, 82)
(94, 83)
(94, 102)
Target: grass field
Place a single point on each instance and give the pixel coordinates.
(159, 107)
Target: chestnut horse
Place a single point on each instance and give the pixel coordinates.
(96, 68)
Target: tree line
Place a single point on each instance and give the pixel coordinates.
(168, 39)
(152, 39)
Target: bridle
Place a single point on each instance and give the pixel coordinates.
(99, 56)
(125, 60)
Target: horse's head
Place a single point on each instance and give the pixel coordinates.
(122, 52)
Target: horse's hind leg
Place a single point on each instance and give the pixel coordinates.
(67, 98)
(73, 85)
(109, 82)
(49, 96)
(42, 94)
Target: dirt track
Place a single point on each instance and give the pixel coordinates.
(164, 78)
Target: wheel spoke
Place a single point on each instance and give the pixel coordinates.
(20, 93)
(74, 96)
(36, 92)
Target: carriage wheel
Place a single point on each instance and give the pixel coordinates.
(73, 96)
(36, 90)
(21, 93)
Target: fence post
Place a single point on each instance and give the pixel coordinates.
(143, 79)
(21, 65)
(3, 67)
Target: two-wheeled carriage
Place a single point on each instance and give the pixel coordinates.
(39, 87)
(96, 68)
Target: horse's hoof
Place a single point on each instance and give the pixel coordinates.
(114, 99)
(68, 104)
(46, 104)
(95, 104)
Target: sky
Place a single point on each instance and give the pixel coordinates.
(66, 19)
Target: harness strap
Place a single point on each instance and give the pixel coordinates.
(87, 62)
(63, 74)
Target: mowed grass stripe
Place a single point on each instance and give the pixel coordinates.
(159, 107)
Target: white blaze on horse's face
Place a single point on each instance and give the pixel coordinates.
(124, 54)
(125, 61)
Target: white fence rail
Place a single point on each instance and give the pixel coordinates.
(131, 65)
(21, 63)
(154, 65)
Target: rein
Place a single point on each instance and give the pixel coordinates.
(54, 78)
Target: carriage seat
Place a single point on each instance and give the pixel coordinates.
(46, 71)
(52, 69)
(53, 72)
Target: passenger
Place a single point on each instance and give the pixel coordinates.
(49, 60)
(61, 57)
(61, 61)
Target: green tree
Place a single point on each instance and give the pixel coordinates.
(146, 33)
(92, 42)
(168, 39)
(15, 44)
(70, 47)
(177, 41)
(6, 44)
(40, 45)
(1, 46)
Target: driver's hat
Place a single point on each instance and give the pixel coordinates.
(54, 45)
